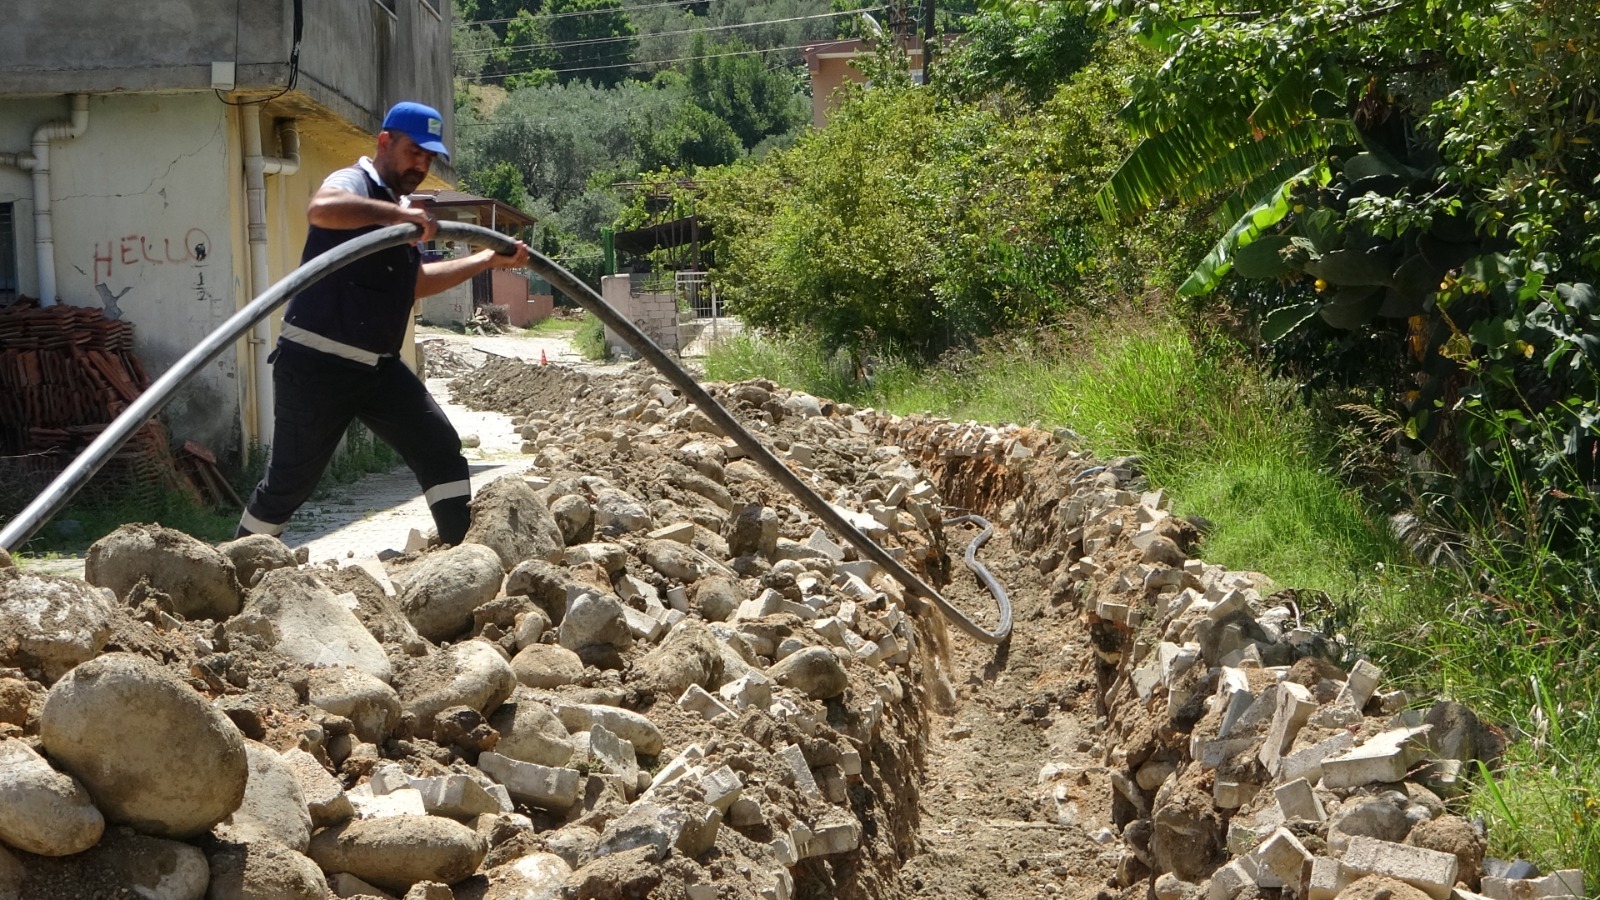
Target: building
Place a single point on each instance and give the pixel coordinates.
(156, 159)
(526, 300)
(830, 66)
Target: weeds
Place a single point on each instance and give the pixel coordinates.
(589, 338)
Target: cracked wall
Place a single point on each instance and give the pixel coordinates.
(143, 225)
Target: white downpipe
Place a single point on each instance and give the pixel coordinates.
(256, 167)
(38, 162)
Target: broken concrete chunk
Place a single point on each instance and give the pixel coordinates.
(1430, 871)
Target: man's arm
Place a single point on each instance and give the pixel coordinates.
(445, 274)
(337, 208)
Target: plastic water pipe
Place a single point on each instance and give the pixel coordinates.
(90, 461)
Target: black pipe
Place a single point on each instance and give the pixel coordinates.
(152, 400)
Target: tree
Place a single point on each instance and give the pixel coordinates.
(741, 90)
(591, 40)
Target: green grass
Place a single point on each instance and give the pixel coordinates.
(553, 327)
(1514, 635)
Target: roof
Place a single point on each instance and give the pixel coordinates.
(676, 233)
(497, 211)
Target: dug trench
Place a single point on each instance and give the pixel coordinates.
(649, 673)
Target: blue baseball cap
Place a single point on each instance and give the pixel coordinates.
(421, 123)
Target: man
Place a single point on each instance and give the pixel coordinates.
(338, 352)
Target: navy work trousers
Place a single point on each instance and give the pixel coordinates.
(318, 396)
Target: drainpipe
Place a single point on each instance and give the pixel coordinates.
(256, 168)
(38, 162)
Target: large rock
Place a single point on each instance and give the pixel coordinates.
(624, 723)
(616, 513)
(264, 872)
(546, 584)
(1384, 816)
(441, 591)
(574, 517)
(200, 580)
(594, 620)
(138, 865)
(547, 666)
(512, 520)
(717, 597)
(814, 671)
(325, 797)
(41, 810)
(530, 732)
(274, 808)
(396, 852)
(49, 623)
(753, 532)
(152, 752)
(471, 673)
(370, 704)
(255, 554)
(689, 655)
(674, 560)
(537, 876)
(291, 613)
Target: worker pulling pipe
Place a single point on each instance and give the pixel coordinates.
(94, 457)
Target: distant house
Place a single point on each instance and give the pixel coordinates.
(527, 300)
(156, 160)
(830, 66)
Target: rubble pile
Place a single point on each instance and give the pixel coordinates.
(645, 671)
(648, 672)
(1241, 760)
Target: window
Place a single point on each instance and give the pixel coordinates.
(388, 5)
(8, 253)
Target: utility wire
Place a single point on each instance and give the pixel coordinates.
(632, 37)
(584, 12)
(651, 62)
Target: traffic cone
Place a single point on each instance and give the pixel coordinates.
(543, 360)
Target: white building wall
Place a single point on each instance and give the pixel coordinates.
(143, 230)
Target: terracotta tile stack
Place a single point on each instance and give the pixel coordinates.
(65, 373)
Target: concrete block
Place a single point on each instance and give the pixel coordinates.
(401, 802)
(699, 832)
(1230, 603)
(696, 699)
(1234, 697)
(1430, 871)
(1327, 879)
(839, 834)
(1307, 762)
(1233, 794)
(722, 788)
(682, 532)
(750, 689)
(1385, 758)
(1294, 706)
(643, 625)
(1562, 884)
(1228, 881)
(1284, 856)
(1297, 800)
(455, 796)
(795, 761)
(555, 790)
(614, 754)
(679, 767)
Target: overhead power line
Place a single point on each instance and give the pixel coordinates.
(592, 40)
(644, 62)
(585, 12)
